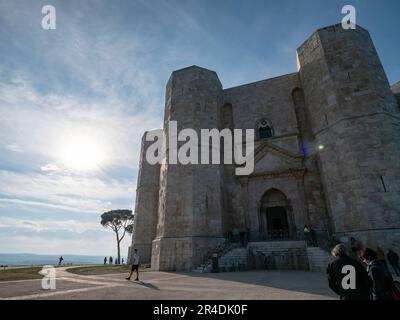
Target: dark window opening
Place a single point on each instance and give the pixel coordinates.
(265, 132)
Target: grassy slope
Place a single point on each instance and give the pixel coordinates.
(100, 269)
(20, 274)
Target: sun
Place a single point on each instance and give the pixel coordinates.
(82, 153)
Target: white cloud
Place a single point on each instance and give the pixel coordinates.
(74, 226)
(68, 192)
(103, 245)
(50, 167)
(14, 147)
(45, 205)
(43, 123)
(58, 237)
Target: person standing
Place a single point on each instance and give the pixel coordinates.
(60, 260)
(105, 260)
(393, 259)
(363, 287)
(110, 260)
(356, 248)
(381, 257)
(382, 279)
(334, 241)
(306, 231)
(313, 237)
(135, 265)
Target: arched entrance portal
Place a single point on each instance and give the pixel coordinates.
(275, 216)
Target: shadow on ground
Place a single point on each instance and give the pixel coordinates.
(301, 281)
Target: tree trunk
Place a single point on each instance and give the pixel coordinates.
(118, 249)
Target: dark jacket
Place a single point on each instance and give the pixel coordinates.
(363, 281)
(382, 280)
(393, 257)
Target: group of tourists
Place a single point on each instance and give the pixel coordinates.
(110, 260)
(373, 280)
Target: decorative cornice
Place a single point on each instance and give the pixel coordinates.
(282, 153)
(297, 173)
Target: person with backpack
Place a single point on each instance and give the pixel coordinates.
(335, 271)
(382, 279)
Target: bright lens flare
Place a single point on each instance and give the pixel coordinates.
(82, 154)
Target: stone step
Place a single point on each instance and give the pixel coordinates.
(198, 270)
(318, 259)
(233, 259)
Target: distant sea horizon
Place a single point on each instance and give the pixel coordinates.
(26, 259)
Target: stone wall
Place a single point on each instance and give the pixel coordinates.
(190, 207)
(281, 101)
(256, 186)
(396, 90)
(146, 206)
(355, 116)
(334, 154)
(270, 99)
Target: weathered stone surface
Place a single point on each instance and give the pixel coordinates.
(396, 90)
(146, 206)
(339, 99)
(355, 116)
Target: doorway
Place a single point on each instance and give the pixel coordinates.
(277, 223)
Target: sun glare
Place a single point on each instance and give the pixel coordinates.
(82, 153)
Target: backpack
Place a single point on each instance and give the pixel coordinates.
(394, 293)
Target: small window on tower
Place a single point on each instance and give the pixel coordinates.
(264, 130)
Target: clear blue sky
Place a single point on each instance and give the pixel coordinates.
(90, 88)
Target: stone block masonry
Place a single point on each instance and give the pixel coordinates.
(339, 99)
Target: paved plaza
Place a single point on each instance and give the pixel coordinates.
(251, 285)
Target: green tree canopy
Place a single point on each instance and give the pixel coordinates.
(121, 222)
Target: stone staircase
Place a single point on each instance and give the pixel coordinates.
(203, 268)
(318, 259)
(279, 255)
(269, 255)
(234, 260)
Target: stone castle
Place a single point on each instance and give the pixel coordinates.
(327, 155)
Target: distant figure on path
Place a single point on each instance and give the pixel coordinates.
(382, 279)
(393, 259)
(122, 260)
(60, 260)
(110, 260)
(135, 265)
(105, 260)
(115, 261)
(363, 286)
